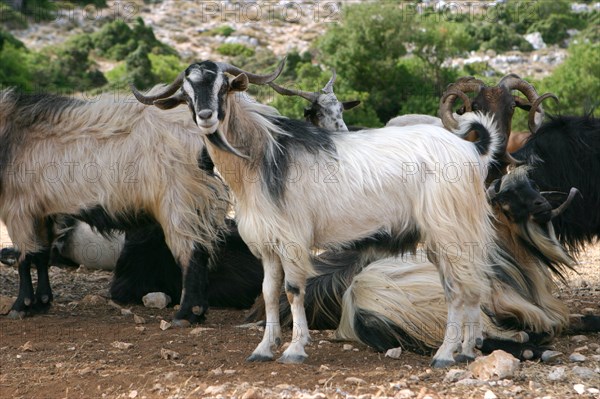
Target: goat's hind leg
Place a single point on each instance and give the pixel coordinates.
(295, 287)
(444, 356)
(43, 292)
(472, 329)
(25, 299)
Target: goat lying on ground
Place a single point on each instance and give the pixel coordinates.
(399, 301)
(114, 164)
(564, 152)
(283, 210)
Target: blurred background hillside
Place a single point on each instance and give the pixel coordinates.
(397, 57)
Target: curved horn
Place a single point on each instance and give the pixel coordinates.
(572, 193)
(534, 107)
(252, 77)
(166, 92)
(328, 89)
(447, 102)
(308, 95)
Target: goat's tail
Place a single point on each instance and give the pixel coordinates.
(482, 131)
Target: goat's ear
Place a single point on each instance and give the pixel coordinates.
(350, 104)
(239, 83)
(522, 103)
(171, 102)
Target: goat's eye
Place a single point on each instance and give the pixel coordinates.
(475, 107)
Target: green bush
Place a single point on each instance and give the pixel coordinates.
(223, 30)
(554, 28)
(14, 68)
(235, 49)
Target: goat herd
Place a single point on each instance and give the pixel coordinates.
(427, 233)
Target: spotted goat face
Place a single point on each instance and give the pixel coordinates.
(325, 110)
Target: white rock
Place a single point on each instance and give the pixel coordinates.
(347, 347)
(584, 372)
(215, 390)
(470, 382)
(5, 304)
(164, 325)
(133, 394)
(593, 391)
(156, 300)
(138, 319)
(557, 374)
(394, 353)
(126, 312)
(122, 345)
(579, 388)
(454, 375)
(580, 349)
(536, 40)
(168, 354)
(489, 395)
(551, 356)
(404, 394)
(578, 339)
(577, 357)
(200, 330)
(498, 363)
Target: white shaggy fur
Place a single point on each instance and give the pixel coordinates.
(393, 180)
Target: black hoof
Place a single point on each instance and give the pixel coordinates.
(259, 358)
(442, 363)
(190, 316)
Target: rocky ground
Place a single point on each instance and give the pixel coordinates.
(87, 346)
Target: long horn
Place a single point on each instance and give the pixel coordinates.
(328, 89)
(309, 95)
(166, 92)
(447, 102)
(252, 77)
(534, 108)
(572, 193)
(514, 82)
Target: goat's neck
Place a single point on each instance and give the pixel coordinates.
(241, 130)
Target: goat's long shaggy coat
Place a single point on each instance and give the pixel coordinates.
(110, 157)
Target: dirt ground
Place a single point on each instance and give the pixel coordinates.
(92, 348)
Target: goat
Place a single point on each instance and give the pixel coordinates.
(281, 211)
(565, 152)
(112, 164)
(146, 265)
(498, 101)
(325, 109)
(399, 301)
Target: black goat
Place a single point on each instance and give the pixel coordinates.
(565, 152)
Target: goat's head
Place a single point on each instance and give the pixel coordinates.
(520, 200)
(497, 100)
(325, 109)
(205, 87)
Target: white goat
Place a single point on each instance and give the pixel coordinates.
(301, 187)
(112, 163)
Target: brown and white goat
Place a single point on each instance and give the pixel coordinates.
(112, 163)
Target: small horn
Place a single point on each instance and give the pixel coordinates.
(218, 140)
(166, 92)
(534, 108)
(328, 89)
(446, 103)
(572, 193)
(253, 77)
(308, 95)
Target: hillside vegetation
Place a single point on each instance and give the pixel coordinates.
(394, 59)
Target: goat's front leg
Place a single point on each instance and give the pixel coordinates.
(444, 356)
(43, 292)
(271, 290)
(194, 299)
(472, 333)
(25, 299)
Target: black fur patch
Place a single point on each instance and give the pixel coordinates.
(105, 223)
(302, 136)
(388, 244)
(484, 140)
(565, 153)
(292, 289)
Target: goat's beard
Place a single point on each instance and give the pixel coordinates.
(543, 237)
